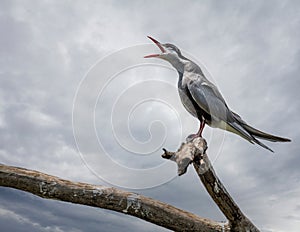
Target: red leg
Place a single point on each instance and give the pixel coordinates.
(199, 133)
(202, 124)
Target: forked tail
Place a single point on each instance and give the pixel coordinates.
(252, 134)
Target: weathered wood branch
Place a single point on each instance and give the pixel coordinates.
(195, 152)
(148, 209)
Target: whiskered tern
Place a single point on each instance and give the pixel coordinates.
(202, 99)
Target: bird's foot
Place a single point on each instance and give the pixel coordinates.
(191, 137)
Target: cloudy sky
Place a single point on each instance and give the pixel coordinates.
(78, 101)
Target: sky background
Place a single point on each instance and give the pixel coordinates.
(51, 65)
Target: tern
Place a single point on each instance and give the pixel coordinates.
(202, 99)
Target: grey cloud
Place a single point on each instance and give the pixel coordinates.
(251, 50)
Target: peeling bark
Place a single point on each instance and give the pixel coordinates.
(195, 152)
(133, 204)
(136, 205)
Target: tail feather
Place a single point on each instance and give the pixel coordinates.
(240, 127)
(235, 127)
(265, 136)
(262, 145)
(257, 133)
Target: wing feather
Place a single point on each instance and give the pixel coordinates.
(207, 99)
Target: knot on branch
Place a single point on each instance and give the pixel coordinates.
(191, 151)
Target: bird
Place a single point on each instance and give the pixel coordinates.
(202, 99)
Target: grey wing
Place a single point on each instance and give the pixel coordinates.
(210, 100)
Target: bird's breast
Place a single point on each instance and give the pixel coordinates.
(187, 101)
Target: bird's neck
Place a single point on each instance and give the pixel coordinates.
(186, 66)
(179, 64)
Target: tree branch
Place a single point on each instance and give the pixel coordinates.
(195, 152)
(148, 209)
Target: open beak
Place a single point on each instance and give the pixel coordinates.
(158, 45)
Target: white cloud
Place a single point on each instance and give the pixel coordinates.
(39, 118)
(24, 221)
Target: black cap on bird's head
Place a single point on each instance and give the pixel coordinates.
(168, 51)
